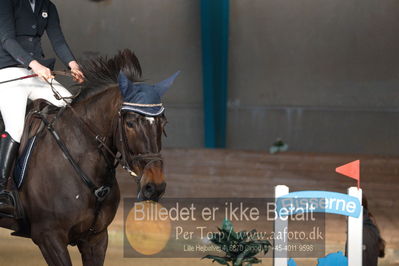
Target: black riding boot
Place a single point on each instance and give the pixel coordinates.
(8, 152)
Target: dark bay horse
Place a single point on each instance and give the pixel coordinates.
(60, 209)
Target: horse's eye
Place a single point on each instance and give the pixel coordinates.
(129, 124)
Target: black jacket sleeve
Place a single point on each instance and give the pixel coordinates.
(7, 34)
(56, 36)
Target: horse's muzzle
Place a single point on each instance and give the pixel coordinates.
(152, 191)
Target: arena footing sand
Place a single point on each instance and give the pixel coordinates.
(197, 173)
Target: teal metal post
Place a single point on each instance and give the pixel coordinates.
(215, 34)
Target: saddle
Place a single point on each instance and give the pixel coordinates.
(34, 129)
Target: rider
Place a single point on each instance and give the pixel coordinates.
(22, 23)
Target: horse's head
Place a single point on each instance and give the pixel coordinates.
(141, 124)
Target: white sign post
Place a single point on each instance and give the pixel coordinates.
(355, 232)
(280, 245)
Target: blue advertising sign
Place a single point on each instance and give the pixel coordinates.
(318, 201)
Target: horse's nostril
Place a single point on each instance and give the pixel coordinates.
(150, 188)
(152, 191)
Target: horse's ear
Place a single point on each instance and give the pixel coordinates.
(123, 83)
(164, 85)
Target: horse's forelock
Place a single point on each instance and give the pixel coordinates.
(102, 72)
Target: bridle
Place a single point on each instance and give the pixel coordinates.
(126, 155)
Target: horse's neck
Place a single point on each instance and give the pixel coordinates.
(101, 110)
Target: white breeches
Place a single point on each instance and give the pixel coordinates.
(14, 96)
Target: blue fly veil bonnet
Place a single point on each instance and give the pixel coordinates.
(144, 98)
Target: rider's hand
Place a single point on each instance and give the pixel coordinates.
(42, 71)
(76, 72)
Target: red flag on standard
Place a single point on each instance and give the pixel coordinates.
(351, 170)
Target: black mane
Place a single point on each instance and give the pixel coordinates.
(102, 72)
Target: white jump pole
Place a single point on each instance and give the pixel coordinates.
(280, 250)
(355, 232)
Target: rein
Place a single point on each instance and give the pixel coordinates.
(124, 158)
(55, 72)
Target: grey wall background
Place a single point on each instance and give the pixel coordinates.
(164, 34)
(322, 75)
